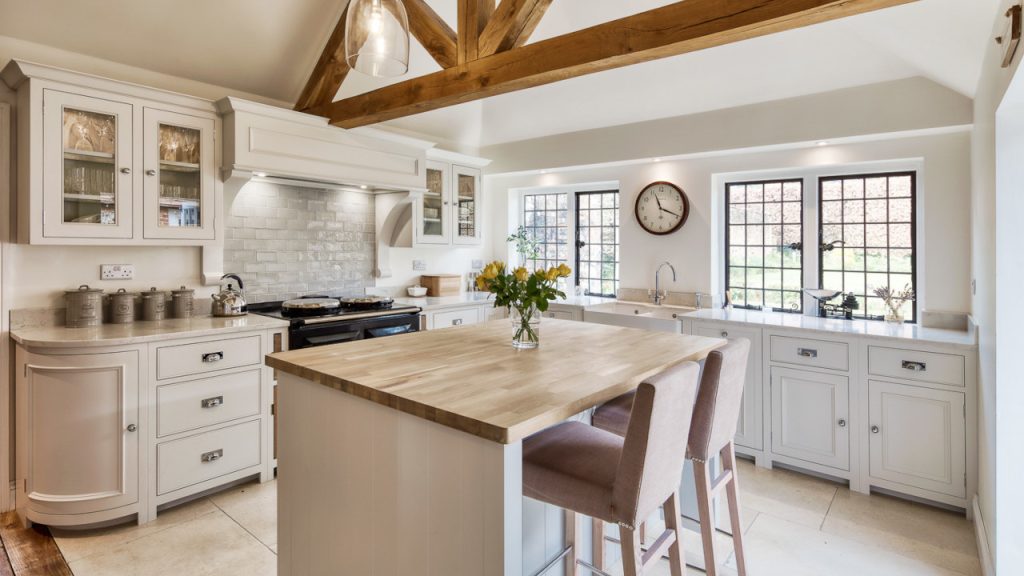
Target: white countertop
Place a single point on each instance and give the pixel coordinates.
(871, 328)
(141, 331)
(429, 303)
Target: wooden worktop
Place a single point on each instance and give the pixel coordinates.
(471, 379)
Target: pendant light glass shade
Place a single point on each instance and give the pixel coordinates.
(377, 37)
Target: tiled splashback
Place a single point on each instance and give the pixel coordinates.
(285, 241)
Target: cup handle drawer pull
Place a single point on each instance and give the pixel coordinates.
(211, 357)
(914, 366)
(457, 322)
(212, 402)
(212, 456)
(807, 352)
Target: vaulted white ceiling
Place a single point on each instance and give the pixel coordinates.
(268, 47)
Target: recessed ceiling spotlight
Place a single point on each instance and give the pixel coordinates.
(657, 159)
(820, 143)
(543, 171)
(364, 186)
(260, 174)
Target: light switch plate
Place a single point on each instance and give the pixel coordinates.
(477, 264)
(419, 265)
(117, 271)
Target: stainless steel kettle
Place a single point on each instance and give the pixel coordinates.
(229, 302)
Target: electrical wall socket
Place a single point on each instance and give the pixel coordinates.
(419, 265)
(117, 271)
(477, 264)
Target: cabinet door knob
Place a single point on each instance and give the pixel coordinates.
(126, 170)
(725, 334)
(132, 427)
(150, 172)
(875, 429)
(842, 422)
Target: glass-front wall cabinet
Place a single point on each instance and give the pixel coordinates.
(87, 167)
(433, 217)
(467, 205)
(178, 180)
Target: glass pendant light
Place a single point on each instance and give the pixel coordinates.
(377, 37)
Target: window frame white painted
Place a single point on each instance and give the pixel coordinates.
(810, 175)
(517, 218)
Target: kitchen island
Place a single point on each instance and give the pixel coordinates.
(403, 455)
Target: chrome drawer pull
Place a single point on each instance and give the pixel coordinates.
(212, 402)
(212, 456)
(213, 357)
(914, 366)
(457, 322)
(807, 352)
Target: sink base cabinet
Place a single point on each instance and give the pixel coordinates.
(102, 437)
(885, 414)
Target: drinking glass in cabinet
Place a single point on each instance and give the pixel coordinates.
(180, 177)
(89, 184)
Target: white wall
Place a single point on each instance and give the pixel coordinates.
(991, 87)
(944, 188)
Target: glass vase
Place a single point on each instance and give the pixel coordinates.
(894, 314)
(525, 327)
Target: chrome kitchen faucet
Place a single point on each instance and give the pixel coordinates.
(658, 297)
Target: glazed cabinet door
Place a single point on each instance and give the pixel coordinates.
(466, 205)
(810, 413)
(749, 429)
(178, 152)
(431, 214)
(79, 452)
(918, 437)
(87, 167)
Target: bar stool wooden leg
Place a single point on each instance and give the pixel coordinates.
(597, 540)
(702, 477)
(632, 555)
(675, 551)
(731, 492)
(572, 540)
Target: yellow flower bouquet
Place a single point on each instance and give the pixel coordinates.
(524, 294)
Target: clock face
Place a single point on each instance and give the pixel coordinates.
(662, 208)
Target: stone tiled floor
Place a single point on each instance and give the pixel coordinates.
(795, 525)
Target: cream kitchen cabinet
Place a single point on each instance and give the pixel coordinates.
(462, 316)
(450, 210)
(810, 417)
(749, 434)
(104, 162)
(79, 446)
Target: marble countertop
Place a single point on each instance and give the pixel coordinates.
(141, 331)
(470, 378)
(868, 328)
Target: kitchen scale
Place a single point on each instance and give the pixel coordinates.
(827, 309)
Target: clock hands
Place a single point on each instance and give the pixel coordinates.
(669, 211)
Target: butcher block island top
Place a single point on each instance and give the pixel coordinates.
(470, 378)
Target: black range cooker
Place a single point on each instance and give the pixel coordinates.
(322, 320)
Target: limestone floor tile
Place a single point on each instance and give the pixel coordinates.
(209, 545)
(78, 544)
(943, 538)
(776, 547)
(788, 495)
(254, 507)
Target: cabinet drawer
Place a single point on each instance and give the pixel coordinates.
(916, 365)
(205, 456)
(806, 352)
(198, 403)
(209, 356)
(461, 317)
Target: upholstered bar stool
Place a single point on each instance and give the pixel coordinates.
(712, 428)
(620, 479)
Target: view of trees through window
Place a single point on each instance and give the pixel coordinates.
(597, 242)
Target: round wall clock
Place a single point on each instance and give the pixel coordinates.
(662, 208)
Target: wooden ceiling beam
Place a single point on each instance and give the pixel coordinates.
(329, 72)
(667, 31)
(511, 26)
(473, 16)
(433, 33)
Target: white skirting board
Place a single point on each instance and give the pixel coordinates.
(984, 551)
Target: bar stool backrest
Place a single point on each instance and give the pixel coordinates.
(719, 399)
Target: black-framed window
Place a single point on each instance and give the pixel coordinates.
(763, 242)
(546, 218)
(868, 234)
(597, 242)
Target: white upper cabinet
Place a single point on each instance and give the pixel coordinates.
(180, 178)
(103, 162)
(449, 212)
(87, 167)
(466, 204)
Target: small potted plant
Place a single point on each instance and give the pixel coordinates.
(525, 295)
(894, 302)
(526, 245)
